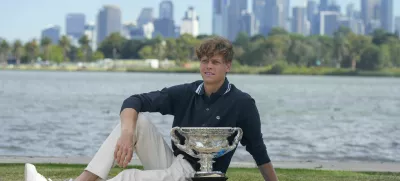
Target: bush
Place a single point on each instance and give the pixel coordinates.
(277, 68)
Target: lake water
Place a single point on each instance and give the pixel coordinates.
(303, 117)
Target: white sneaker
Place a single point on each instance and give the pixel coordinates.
(31, 174)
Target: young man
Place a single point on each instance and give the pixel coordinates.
(212, 102)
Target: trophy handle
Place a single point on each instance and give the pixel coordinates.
(236, 140)
(176, 141)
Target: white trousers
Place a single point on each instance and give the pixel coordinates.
(156, 156)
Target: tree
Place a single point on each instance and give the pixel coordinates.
(97, 56)
(112, 45)
(32, 51)
(57, 54)
(341, 45)
(4, 50)
(357, 46)
(85, 48)
(277, 31)
(18, 51)
(130, 49)
(45, 44)
(371, 59)
(65, 44)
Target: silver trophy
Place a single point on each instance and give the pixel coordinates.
(206, 143)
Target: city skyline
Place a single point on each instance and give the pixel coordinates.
(17, 26)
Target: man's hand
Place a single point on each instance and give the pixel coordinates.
(124, 148)
(268, 172)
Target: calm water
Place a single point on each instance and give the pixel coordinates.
(303, 118)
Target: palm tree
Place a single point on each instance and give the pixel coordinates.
(65, 44)
(84, 42)
(31, 49)
(17, 51)
(4, 50)
(45, 44)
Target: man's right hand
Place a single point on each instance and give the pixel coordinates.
(124, 148)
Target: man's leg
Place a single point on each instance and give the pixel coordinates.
(151, 148)
(180, 170)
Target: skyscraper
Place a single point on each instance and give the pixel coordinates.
(146, 16)
(53, 33)
(247, 23)
(386, 17)
(108, 22)
(166, 10)
(312, 10)
(190, 23)
(312, 16)
(299, 20)
(217, 16)
(369, 10)
(260, 15)
(350, 10)
(397, 24)
(235, 9)
(75, 25)
(276, 15)
(328, 22)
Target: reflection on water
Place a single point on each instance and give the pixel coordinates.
(304, 118)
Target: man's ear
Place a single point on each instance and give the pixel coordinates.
(228, 66)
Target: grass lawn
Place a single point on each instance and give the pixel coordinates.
(15, 172)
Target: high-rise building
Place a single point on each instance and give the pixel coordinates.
(312, 10)
(260, 15)
(190, 23)
(217, 16)
(53, 33)
(351, 23)
(312, 17)
(299, 21)
(276, 15)
(386, 17)
(369, 9)
(164, 27)
(75, 25)
(350, 10)
(166, 10)
(108, 22)
(234, 15)
(247, 23)
(146, 16)
(397, 25)
(324, 5)
(143, 32)
(328, 22)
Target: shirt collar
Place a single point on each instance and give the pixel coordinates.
(225, 88)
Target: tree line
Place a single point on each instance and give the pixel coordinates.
(344, 49)
(46, 50)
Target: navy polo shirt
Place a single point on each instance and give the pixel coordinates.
(191, 107)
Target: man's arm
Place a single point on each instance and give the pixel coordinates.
(156, 101)
(252, 137)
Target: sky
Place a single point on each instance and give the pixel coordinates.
(24, 19)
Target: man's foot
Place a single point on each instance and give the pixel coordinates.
(31, 173)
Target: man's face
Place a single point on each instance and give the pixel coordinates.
(213, 69)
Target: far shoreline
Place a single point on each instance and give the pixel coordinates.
(314, 71)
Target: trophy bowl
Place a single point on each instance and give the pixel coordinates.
(206, 143)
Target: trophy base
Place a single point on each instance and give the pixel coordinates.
(206, 176)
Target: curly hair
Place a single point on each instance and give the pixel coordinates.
(216, 46)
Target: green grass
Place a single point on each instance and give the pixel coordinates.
(15, 172)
